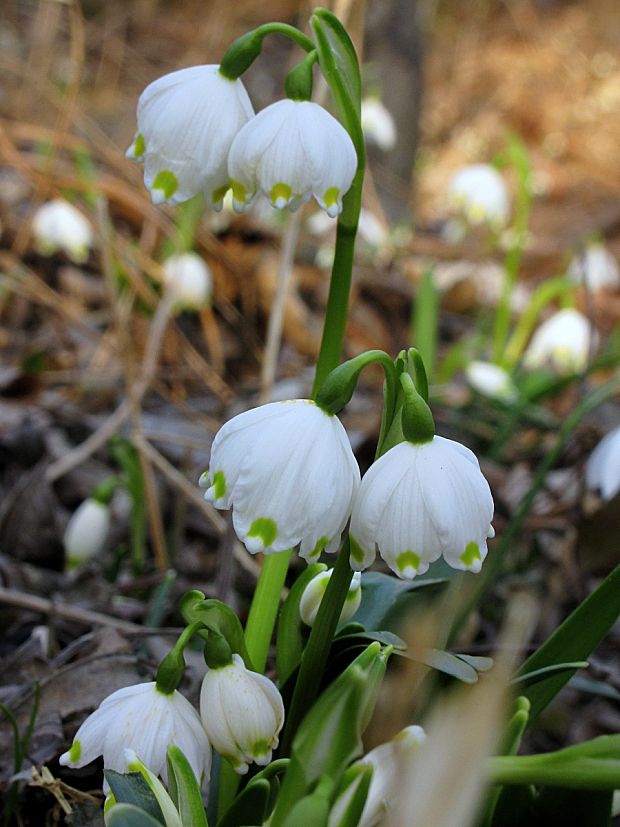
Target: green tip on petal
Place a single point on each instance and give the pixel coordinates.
(318, 548)
(408, 560)
(219, 485)
(75, 752)
(260, 749)
(240, 194)
(139, 145)
(280, 195)
(218, 194)
(167, 182)
(265, 528)
(356, 551)
(471, 554)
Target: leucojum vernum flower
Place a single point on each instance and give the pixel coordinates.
(286, 721)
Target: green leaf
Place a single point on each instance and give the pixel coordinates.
(290, 639)
(249, 807)
(338, 62)
(184, 789)
(380, 593)
(314, 808)
(131, 788)
(530, 678)
(351, 797)
(573, 640)
(128, 815)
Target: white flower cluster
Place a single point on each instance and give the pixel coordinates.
(241, 715)
(288, 472)
(197, 133)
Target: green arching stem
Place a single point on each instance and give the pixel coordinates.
(243, 52)
(315, 654)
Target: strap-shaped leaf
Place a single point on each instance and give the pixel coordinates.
(131, 788)
(380, 593)
(339, 64)
(573, 640)
(290, 640)
(184, 789)
(249, 807)
(128, 815)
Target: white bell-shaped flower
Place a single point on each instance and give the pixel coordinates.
(242, 713)
(479, 193)
(58, 225)
(391, 765)
(603, 466)
(490, 380)
(419, 502)
(187, 121)
(597, 268)
(563, 343)
(188, 281)
(378, 124)
(312, 597)
(289, 474)
(146, 720)
(86, 532)
(290, 151)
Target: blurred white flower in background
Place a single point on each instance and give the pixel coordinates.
(596, 267)
(378, 124)
(290, 151)
(563, 343)
(479, 194)
(86, 532)
(603, 466)
(188, 281)
(58, 225)
(186, 123)
(490, 380)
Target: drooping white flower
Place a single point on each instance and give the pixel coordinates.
(490, 380)
(391, 765)
(419, 502)
(597, 268)
(86, 532)
(603, 466)
(562, 343)
(478, 192)
(187, 121)
(313, 595)
(242, 713)
(58, 225)
(289, 474)
(188, 280)
(378, 124)
(147, 721)
(290, 151)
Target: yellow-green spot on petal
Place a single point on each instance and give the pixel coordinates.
(408, 560)
(265, 528)
(167, 182)
(109, 802)
(219, 485)
(139, 145)
(471, 554)
(239, 191)
(75, 752)
(331, 196)
(280, 194)
(356, 551)
(218, 194)
(319, 546)
(351, 595)
(260, 749)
